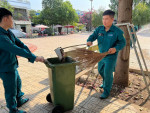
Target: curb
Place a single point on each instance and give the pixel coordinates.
(137, 71)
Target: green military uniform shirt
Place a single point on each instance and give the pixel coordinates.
(113, 38)
(10, 46)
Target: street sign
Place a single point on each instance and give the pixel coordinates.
(37, 14)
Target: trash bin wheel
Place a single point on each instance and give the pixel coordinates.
(48, 98)
(58, 109)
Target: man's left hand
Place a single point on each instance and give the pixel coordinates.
(112, 50)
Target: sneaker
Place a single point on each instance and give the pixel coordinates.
(22, 101)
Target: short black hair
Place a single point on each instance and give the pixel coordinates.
(109, 12)
(4, 12)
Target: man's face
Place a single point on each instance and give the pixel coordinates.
(107, 20)
(8, 21)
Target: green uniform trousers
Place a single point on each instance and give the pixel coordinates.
(106, 68)
(12, 86)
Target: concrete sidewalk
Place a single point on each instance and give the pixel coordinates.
(145, 46)
(35, 82)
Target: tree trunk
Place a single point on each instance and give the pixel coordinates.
(121, 76)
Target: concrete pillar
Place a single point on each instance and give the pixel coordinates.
(28, 29)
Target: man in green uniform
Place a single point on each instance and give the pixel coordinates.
(110, 38)
(10, 46)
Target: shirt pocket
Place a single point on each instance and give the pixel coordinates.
(100, 39)
(110, 36)
(112, 40)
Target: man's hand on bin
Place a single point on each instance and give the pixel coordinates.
(39, 59)
(89, 43)
(112, 50)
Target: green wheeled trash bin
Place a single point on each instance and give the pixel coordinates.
(62, 83)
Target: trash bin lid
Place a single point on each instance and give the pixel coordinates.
(53, 62)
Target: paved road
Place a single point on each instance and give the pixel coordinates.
(36, 83)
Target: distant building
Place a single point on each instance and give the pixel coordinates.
(21, 14)
(80, 13)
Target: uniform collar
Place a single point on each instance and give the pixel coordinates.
(111, 28)
(3, 30)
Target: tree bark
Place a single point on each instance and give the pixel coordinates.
(121, 76)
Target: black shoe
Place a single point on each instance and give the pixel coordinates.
(22, 101)
(103, 96)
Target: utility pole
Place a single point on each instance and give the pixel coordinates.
(91, 16)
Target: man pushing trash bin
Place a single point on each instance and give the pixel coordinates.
(10, 46)
(110, 38)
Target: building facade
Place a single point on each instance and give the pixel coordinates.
(21, 15)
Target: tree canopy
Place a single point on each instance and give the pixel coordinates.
(51, 3)
(140, 11)
(58, 12)
(141, 14)
(114, 6)
(36, 19)
(97, 18)
(5, 4)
